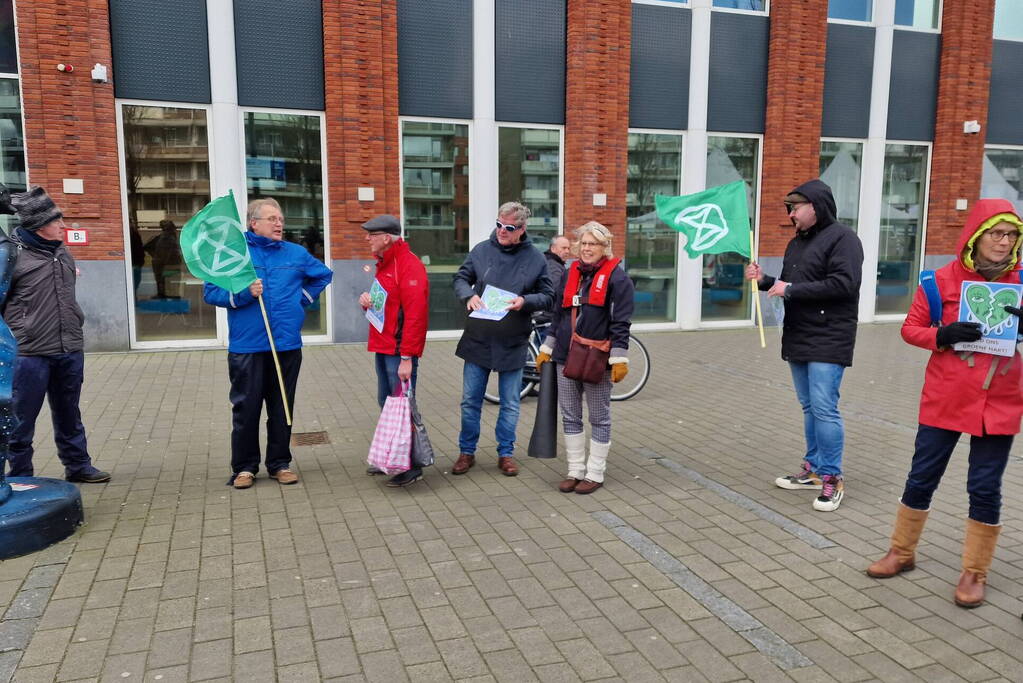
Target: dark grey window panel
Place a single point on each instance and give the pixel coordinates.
(8, 51)
(913, 91)
(529, 56)
(848, 70)
(279, 47)
(160, 50)
(1004, 122)
(659, 84)
(737, 92)
(435, 58)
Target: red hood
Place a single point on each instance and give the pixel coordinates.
(982, 211)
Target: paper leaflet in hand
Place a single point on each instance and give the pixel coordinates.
(984, 303)
(495, 303)
(378, 299)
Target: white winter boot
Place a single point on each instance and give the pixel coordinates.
(575, 454)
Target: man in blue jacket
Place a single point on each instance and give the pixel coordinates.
(289, 279)
(509, 261)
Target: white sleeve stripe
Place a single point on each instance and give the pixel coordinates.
(307, 295)
(230, 299)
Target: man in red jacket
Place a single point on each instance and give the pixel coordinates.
(400, 301)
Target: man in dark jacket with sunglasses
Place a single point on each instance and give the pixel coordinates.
(508, 261)
(820, 284)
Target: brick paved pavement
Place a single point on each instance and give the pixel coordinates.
(484, 577)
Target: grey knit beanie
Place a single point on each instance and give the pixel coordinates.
(35, 208)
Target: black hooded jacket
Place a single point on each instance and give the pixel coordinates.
(824, 265)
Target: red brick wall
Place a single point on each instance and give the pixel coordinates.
(597, 112)
(795, 100)
(360, 51)
(70, 129)
(963, 88)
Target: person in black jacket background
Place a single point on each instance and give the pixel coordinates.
(507, 260)
(820, 284)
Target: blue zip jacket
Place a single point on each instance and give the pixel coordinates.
(292, 279)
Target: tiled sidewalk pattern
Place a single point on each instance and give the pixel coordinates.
(483, 577)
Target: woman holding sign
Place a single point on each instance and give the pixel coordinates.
(589, 342)
(965, 390)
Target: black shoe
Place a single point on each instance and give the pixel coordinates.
(371, 470)
(89, 476)
(405, 478)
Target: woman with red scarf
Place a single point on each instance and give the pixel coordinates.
(596, 296)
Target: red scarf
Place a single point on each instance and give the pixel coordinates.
(598, 290)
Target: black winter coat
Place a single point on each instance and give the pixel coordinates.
(611, 321)
(501, 345)
(824, 265)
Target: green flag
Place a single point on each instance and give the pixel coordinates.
(214, 248)
(714, 221)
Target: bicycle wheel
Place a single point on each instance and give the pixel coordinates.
(639, 372)
(530, 378)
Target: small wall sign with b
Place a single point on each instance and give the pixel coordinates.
(77, 236)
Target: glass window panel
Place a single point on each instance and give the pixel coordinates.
(530, 171)
(840, 168)
(917, 13)
(854, 10)
(167, 183)
(725, 292)
(1003, 175)
(12, 143)
(435, 172)
(754, 5)
(651, 247)
(902, 211)
(1009, 19)
(8, 49)
(283, 161)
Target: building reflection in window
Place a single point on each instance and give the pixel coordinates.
(840, 166)
(903, 198)
(530, 171)
(651, 247)
(1003, 175)
(1008, 20)
(166, 159)
(12, 143)
(435, 177)
(283, 161)
(852, 10)
(726, 295)
(917, 13)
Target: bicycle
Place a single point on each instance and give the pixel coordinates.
(639, 370)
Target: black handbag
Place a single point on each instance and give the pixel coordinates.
(422, 449)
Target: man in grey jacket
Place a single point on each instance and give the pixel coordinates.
(46, 321)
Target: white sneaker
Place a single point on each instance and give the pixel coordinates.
(804, 479)
(832, 493)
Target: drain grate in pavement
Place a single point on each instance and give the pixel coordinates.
(309, 439)
(739, 620)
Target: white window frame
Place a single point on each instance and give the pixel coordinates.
(220, 340)
(328, 292)
(679, 250)
(498, 125)
(922, 245)
(726, 324)
(435, 334)
(734, 10)
(663, 3)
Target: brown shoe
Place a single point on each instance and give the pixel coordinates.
(568, 485)
(464, 462)
(507, 466)
(244, 480)
(285, 476)
(587, 486)
(970, 591)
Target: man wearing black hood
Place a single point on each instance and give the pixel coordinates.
(509, 261)
(820, 284)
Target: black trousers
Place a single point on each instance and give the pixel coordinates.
(253, 383)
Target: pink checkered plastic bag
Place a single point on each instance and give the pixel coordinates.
(392, 441)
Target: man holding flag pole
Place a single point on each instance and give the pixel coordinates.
(265, 284)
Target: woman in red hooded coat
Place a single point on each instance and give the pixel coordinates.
(972, 392)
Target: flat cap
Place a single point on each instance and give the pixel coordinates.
(383, 223)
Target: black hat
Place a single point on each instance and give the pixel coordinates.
(383, 223)
(35, 208)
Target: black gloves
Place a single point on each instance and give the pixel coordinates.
(1018, 312)
(953, 333)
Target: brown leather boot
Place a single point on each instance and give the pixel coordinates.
(901, 557)
(507, 465)
(464, 462)
(978, 550)
(586, 486)
(568, 485)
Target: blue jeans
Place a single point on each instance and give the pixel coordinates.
(474, 385)
(988, 457)
(59, 379)
(387, 376)
(817, 390)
